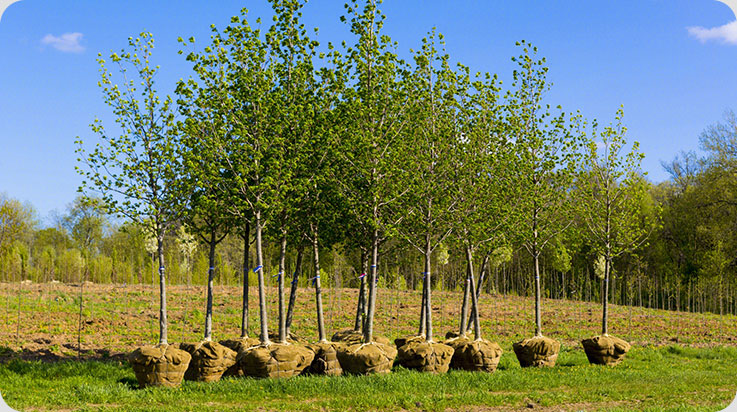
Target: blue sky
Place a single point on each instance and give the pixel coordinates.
(672, 81)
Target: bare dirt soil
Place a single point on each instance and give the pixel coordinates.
(42, 321)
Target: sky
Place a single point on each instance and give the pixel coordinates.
(670, 63)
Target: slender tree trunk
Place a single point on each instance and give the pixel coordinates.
(163, 326)
(246, 276)
(474, 296)
(605, 298)
(361, 306)
(477, 288)
(318, 290)
(423, 323)
(428, 291)
(466, 292)
(538, 321)
(368, 330)
(295, 284)
(264, 337)
(280, 276)
(210, 277)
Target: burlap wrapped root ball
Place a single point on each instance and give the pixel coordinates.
(161, 365)
(238, 345)
(275, 360)
(326, 359)
(477, 355)
(350, 336)
(367, 358)
(454, 340)
(538, 352)
(209, 361)
(399, 342)
(423, 356)
(605, 350)
(291, 338)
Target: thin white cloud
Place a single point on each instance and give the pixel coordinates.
(725, 34)
(67, 42)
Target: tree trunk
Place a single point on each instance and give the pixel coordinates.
(246, 273)
(538, 321)
(264, 337)
(318, 290)
(466, 293)
(163, 325)
(280, 279)
(423, 322)
(477, 288)
(368, 330)
(361, 306)
(474, 296)
(210, 277)
(295, 284)
(605, 298)
(428, 291)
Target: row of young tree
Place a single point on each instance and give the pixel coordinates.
(421, 168)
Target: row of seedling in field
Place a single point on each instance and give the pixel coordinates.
(354, 146)
(353, 351)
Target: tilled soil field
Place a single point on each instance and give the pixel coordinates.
(42, 321)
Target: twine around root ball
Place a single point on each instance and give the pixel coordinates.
(423, 356)
(209, 361)
(537, 352)
(605, 350)
(350, 336)
(160, 365)
(477, 355)
(326, 359)
(367, 358)
(238, 345)
(275, 360)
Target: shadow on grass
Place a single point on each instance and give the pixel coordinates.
(130, 383)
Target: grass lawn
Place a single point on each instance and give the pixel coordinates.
(665, 378)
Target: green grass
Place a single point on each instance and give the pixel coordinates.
(666, 378)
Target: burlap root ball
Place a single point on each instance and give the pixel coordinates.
(453, 340)
(160, 365)
(209, 361)
(350, 336)
(367, 358)
(605, 350)
(275, 360)
(238, 345)
(423, 356)
(291, 338)
(538, 351)
(399, 342)
(326, 359)
(477, 356)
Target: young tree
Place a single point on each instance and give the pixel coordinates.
(612, 194)
(429, 204)
(372, 153)
(548, 153)
(486, 178)
(203, 181)
(237, 68)
(371, 146)
(135, 170)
